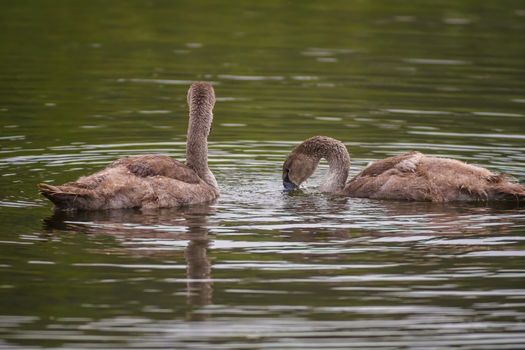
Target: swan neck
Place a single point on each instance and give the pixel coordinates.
(338, 159)
(201, 117)
(337, 175)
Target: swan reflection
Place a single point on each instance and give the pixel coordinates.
(185, 226)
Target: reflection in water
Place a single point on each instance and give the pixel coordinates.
(198, 272)
(155, 224)
(317, 210)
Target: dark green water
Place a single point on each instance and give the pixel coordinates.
(85, 82)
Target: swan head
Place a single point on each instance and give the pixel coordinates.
(201, 94)
(297, 168)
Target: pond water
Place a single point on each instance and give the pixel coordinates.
(83, 83)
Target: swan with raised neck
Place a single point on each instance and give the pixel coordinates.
(150, 181)
(409, 176)
(201, 100)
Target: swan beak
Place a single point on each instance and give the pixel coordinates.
(289, 185)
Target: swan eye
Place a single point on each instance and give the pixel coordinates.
(285, 174)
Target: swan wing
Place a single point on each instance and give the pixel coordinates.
(390, 178)
(390, 185)
(157, 165)
(406, 162)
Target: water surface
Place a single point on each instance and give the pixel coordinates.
(83, 83)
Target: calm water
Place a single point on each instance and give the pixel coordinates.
(85, 82)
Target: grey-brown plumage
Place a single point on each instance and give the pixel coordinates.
(410, 176)
(150, 181)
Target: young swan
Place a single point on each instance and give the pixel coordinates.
(410, 176)
(150, 181)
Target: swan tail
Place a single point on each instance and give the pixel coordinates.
(66, 197)
(509, 191)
